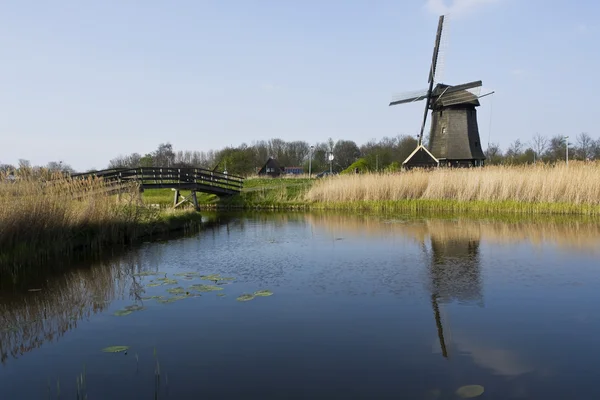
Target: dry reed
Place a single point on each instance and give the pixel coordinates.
(41, 217)
(575, 185)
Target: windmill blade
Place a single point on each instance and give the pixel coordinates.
(487, 93)
(440, 66)
(458, 97)
(409, 97)
(464, 93)
(436, 49)
(462, 86)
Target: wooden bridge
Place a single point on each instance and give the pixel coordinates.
(193, 179)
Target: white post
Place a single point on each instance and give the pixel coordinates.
(310, 161)
(567, 149)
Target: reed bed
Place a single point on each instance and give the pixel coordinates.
(533, 189)
(45, 215)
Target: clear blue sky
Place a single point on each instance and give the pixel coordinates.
(85, 81)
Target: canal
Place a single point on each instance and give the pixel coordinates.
(311, 306)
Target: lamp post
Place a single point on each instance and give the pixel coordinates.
(310, 161)
(331, 162)
(567, 149)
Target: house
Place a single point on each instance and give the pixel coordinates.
(271, 168)
(293, 170)
(422, 158)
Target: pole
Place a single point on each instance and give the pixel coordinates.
(567, 149)
(330, 165)
(310, 161)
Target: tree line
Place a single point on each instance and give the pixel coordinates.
(387, 153)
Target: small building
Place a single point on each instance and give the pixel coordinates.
(271, 168)
(293, 170)
(420, 158)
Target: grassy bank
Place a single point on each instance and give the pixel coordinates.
(40, 222)
(540, 189)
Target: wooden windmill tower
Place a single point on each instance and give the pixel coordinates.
(454, 137)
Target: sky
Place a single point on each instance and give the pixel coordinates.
(84, 82)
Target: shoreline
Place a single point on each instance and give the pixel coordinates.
(418, 206)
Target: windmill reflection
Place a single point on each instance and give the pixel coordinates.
(455, 273)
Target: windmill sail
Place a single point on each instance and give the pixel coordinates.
(409, 97)
(434, 59)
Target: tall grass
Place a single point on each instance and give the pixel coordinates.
(43, 216)
(540, 188)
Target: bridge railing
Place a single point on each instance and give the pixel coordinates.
(159, 176)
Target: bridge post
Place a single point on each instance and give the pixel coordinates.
(195, 201)
(176, 199)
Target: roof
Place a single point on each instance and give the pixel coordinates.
(421, 147)
(439, 98)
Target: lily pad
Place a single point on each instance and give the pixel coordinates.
(205, 288)
(152, 297)
(173, 299)
(187, 274)
(177, 290)
(145, 273)
(115, 349)
(134, 307)
(470, 391)
(161, 282)
(245, 297)
(263, 293)
(211, 277)
(167, 281)
(220, 294)
(128, 310)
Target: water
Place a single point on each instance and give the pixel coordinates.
(363, 308)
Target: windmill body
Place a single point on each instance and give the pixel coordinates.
(454, 135)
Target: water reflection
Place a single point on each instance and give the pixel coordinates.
(28, 321)
(454, 269)
(351, 294)
(46, 313)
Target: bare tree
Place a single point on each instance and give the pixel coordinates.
(515, 150)
(539, 144)
(585, 146)
(493, 153)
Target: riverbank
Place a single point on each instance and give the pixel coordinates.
(539, 189)
(41, 222)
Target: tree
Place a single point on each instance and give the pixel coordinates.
(493, 154)
(539, 145)
(6, 168)
(24, 164)
(406, 145)
(585, 146)
(345, 152)
(54, 166)
(164, 155)
(515, 150)
(556, 148)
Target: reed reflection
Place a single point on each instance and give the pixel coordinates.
(44, 314)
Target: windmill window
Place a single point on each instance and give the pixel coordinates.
(443, 130)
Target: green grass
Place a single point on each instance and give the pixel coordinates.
(453, 206)
(164, 197)
(282, 193)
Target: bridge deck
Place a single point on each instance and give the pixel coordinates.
(197, 179)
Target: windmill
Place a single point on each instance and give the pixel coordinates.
(454, 136)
